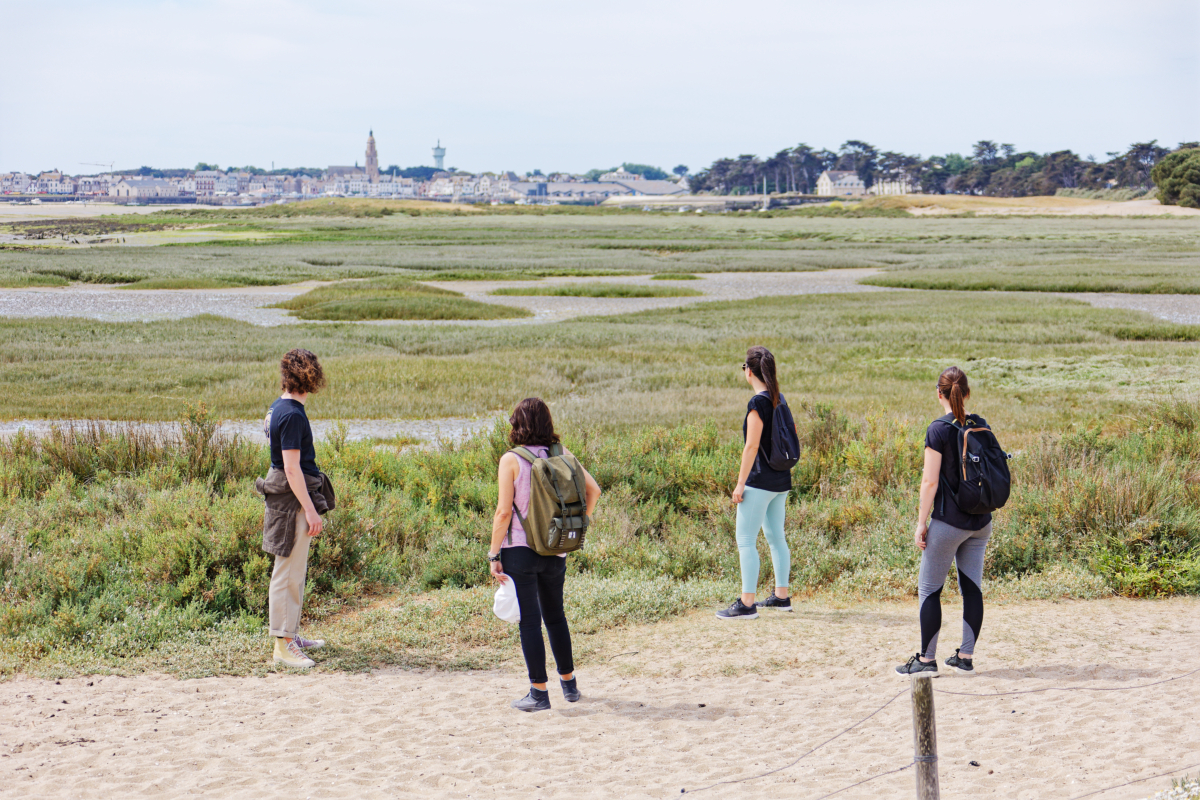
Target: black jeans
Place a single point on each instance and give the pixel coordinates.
(539, 582)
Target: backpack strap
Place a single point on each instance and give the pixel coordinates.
(525, 453)
(556, 449)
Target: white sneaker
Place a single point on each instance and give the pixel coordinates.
(309, 644)
(290, 655)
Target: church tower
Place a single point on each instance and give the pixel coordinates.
(372, 159)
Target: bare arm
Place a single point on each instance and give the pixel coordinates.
(295, 479)
(506, 479)
(929, 486)
(754, 429)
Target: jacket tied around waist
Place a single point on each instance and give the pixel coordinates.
(282, 506)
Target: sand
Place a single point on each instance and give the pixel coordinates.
(666, 707)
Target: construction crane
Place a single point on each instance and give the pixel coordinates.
(93, 164)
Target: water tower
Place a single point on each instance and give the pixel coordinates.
(439, 156)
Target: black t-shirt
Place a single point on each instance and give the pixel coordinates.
(761, 474)
(944, 439)
(288, 429)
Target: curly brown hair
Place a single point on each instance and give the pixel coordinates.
(532, 424)
(300, 372)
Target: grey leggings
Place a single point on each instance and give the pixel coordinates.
(943, 544)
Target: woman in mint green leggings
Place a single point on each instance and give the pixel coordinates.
(761, 493)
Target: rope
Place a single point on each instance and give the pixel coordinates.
(1073, 688)
(1138, 780)
(868, 780)
(798, 759)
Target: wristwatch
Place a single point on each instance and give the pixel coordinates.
(493, 557)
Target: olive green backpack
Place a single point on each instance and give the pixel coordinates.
(557, 521)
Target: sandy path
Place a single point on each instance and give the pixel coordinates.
(667, 707)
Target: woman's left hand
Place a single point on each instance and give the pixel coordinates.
(739, 493)
(498, 572)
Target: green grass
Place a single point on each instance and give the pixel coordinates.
(1080, 275)
(182, 283)
(392, 298)
(597, 290)
(1031, 357)
(22, 280)
(483, 245)
(674, 276)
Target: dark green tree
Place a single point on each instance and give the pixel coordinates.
(1177, 177)
(680, 170)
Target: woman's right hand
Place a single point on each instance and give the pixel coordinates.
(920, 534)
(498, 572)
(739, 493)
(315, 523)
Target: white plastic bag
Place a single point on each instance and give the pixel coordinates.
(506, 607)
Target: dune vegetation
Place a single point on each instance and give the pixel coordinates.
(119, 546)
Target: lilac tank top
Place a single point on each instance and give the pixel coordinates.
(521, 497)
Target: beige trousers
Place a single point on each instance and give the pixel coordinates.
(286, 596)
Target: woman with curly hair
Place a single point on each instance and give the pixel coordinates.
(297, 493)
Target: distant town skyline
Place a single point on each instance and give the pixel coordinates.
(566, 87)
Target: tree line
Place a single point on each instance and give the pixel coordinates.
(998, 170)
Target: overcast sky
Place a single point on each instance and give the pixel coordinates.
(561, 85)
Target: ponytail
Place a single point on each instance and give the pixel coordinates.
(762, 364)
(952, 384)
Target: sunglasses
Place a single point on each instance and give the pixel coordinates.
(745, 366)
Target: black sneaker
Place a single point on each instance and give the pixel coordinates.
(536, 700)
(739, 611)
(777, 603)
(915, 666)
(963, 665)
(570, 690)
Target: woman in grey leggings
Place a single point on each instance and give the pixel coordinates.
(951, 535)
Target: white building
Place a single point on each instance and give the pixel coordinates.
(840, 183)
(94, 184)
(143, 187)
(619, 175)
(15, 182)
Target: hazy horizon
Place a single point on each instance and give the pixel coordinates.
(540, 85)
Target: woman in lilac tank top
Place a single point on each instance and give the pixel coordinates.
(539, 579)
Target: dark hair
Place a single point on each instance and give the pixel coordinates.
(532, 424)
(762, 364)
(952, 385)
(300, 372)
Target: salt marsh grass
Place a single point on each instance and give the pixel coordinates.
(391, 298)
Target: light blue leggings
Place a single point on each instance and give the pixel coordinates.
(763, 510)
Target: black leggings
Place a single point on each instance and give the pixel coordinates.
(539, 582)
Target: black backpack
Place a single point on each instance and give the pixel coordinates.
(785, 444)
(984, 481)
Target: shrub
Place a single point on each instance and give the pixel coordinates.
(1177, 176)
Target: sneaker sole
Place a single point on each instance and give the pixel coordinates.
(776, 608)
(295, 666)
(967, 672)
(739, 616)
(929, 672)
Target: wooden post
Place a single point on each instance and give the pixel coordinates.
(925, 739)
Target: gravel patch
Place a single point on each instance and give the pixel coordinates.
(1180, 308)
